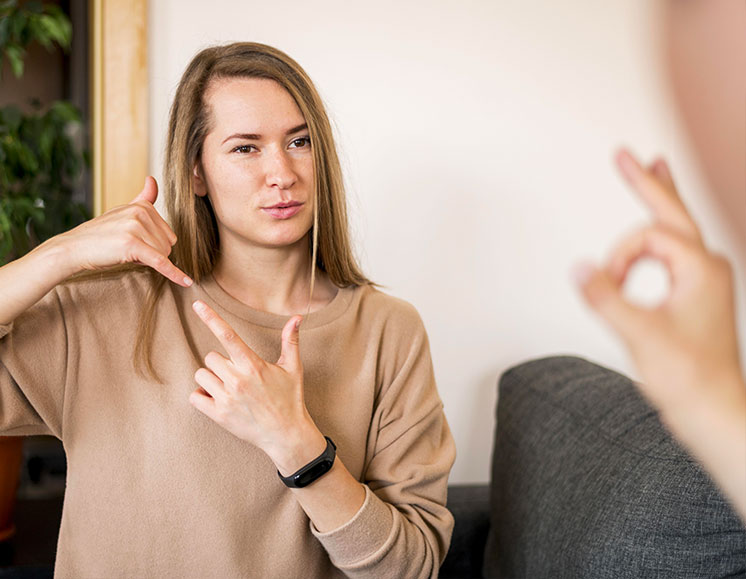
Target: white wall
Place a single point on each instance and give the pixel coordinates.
(477, 139)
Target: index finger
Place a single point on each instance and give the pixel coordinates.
(237, 349)
(659, 195)
(147, 255)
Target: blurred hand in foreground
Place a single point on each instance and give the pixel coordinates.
(686, 348)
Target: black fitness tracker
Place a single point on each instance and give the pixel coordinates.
(314, 470)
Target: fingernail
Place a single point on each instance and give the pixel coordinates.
(188, 280)
(582, 273)
(662, 167)
(198, 306)
(626, 162)
(297, 323)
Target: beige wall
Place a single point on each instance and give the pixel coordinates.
(477, 140)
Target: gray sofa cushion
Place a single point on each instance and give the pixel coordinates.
(587, 483)
(470, 506)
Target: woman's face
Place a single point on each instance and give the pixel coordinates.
(257, 165)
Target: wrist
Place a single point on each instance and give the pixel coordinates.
(298, 449)
(722, 400)
(54, 258)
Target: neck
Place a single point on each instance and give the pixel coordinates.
(276, 280)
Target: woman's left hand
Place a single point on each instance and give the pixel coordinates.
(259, 402)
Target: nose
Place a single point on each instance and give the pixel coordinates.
(279, 170)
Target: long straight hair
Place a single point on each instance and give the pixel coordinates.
(192, 218)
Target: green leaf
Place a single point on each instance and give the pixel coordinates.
(6, 237)
(10, 117)
(65, 111)
(46, 142)
(39, 32)
(4, 28)
(27, 159)
(15, 55)
(58, 24)
(56, 29)
(18, 25)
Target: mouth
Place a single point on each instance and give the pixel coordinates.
(283, 210)
(284, 205)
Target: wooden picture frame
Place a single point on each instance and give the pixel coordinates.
(119, 83)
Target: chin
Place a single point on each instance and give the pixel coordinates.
(286, 239)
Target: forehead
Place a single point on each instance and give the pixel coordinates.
(253, 105)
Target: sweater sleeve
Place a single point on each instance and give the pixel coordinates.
(33, 370)
(403, 529)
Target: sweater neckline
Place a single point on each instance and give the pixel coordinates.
(225, 301)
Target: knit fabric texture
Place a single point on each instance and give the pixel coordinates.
(587, 483)
(157, 489)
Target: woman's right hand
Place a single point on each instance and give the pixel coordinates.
(132, 233)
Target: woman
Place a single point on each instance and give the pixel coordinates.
(174, 449)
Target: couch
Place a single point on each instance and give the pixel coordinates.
(587, 483)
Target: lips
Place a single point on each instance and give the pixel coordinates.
(283, 210)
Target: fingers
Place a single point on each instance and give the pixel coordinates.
(156, 235)
(149, 191)
(290, 354)
(140, 228)
(662, 172)
(146, 199)
(243, 356)
(602, 288)
(210, 383)
(147, 255)
(657, 190)
(674, 251)
(203, 402)
(158, 230)
(604, 295)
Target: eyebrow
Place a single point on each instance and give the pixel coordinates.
(255, 137)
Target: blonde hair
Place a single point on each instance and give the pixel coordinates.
(191, 216)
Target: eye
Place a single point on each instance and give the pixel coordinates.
(301, 142)
(243, 149)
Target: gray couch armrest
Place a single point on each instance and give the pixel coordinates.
(586, 483)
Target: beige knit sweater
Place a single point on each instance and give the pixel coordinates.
(156, 489)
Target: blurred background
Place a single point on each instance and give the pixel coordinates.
(476, 138)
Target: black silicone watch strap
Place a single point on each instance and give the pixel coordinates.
(314, 470)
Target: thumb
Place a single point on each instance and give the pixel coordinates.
(605, 297)
(149, 191)
(290, 354)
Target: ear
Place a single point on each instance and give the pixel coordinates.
(198, 183)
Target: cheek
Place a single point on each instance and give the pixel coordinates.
(706, 53)
(230, 182)
(304, 168)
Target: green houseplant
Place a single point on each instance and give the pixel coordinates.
(40, 160)
(40, 164)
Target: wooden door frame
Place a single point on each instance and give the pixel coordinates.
(120, 107)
